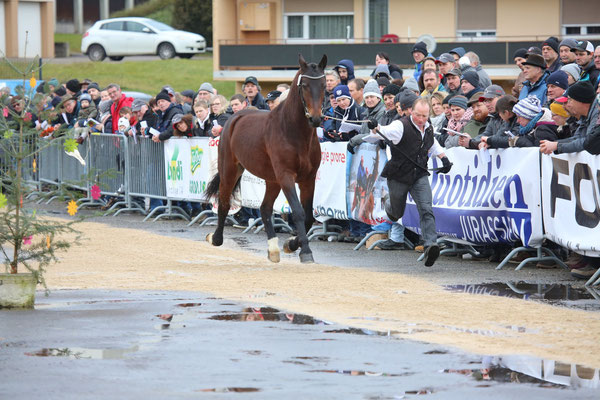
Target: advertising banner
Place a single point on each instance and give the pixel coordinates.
(366, 187)
(330, 186)
(571, 201)
(488, 197)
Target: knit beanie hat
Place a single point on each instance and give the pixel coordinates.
(522, 53)
(85, 96)
(53, 82)
(582, 91)
(528, 108)
(73, 85)
(60, 91)
(559, 109)
(163, 96)
(421, 47)
(93, 85)
(341, 91)
(383, 81)
(459, 101)
(551, 42)
(558, 78)
(207, 87)
(407, 99)
(372, 89)
(570, 43)
(573, 70)
(411, 84)
(382, 69)
(391, 89)
(471, 77)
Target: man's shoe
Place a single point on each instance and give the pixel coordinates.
(431, 254)
(583, 273)
(390, 245)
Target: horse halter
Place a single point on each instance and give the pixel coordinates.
(306, 113)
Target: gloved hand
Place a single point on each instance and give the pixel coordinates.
(446, 166)
(382, 144)
(372, 124)
(356, 140)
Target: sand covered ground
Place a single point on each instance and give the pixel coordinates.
(411, 307)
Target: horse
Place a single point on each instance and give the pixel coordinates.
(281, 147)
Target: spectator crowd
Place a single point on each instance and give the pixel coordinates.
(553, 105)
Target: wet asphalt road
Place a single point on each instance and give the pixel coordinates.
(92, 344)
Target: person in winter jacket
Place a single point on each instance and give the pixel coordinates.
(536, 124)
(345, 70)
(201, 125)
(167, 110)
(348, 111)
(119, 100)
(535, 74)
(251, 89)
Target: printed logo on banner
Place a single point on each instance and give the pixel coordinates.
(196, 154)
(485, 201)
(175, 171)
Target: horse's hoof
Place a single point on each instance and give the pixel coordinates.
(274, 256)
(209, 238)
(290, 245)
(307, 258)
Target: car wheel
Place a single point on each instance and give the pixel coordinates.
(116, 58)
(166, 51)
(96, 52)
(186, 56)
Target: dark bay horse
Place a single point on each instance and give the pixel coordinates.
(281, 147)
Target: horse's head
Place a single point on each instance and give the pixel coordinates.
(311, 86)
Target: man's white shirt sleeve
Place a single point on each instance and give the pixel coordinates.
(394, 132)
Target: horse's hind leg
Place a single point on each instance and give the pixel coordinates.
(266, 212)
(229, 177)
(307, 190)
(299, 216)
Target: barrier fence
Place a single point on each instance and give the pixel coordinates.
(512, 196)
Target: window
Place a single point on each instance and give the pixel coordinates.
(476, 34)
(475, 18)
(135, 27)
(113, 26)
(378, 19)
(319, 26)
(581, 30)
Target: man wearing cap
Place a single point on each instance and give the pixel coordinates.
(389, 94)
(584, 57)
(582, 104)
(476, 126)
(564, 51)
(469, 83)
(345, 70)
(495, 124)
(119, 100)
(452, 84)
(412, 142)
(550, 53)
(446, 64)
(251, 89)
(557, 83)
(346, 110)
(272, 96)
(142, 112)
(419, 52)
(534, 71)
(168, 110)
(205, 91)
(457, 53)
(94, 91)
(188, 99)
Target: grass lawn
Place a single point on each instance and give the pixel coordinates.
(143, 76)
(74, 40)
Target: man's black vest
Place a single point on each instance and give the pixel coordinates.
(400, 168)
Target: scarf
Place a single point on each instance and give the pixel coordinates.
(524, 130)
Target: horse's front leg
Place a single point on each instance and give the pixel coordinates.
(302, 219)
(266, 213)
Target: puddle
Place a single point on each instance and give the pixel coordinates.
(267, 314)
(555, 294)
(532, 370)
(230, 389)
(354, 372)
(81, 353)
(189, 304)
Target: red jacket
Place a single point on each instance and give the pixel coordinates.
(116, 107)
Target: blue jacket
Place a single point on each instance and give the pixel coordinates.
(349, 65)
(538, 89)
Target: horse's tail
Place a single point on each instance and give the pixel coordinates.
(212, 189)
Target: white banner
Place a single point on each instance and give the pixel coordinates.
(177, 155)
(571, 201)
(366, 187)
(253, 190)
(488, 197)
(330, 185)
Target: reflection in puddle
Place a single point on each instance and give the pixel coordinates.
(230, 389)
(189, 305)
(524, 369)
(564, 295)
(358, 372)
(79, 353)
(267, 314)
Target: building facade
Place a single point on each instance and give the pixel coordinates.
(27, 28)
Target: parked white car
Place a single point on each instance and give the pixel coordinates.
(120, 37)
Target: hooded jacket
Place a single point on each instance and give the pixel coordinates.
(349, 65)
(350, 114)
(545, 129)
